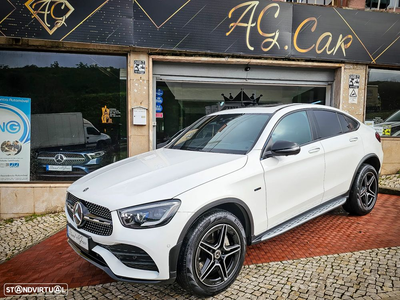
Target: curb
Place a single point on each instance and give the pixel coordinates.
(389, 191)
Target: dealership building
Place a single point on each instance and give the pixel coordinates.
(87, 83)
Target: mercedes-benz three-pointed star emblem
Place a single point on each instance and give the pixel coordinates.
(78, 214)
(59, 158)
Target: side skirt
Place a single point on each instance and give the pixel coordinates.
(300, 219)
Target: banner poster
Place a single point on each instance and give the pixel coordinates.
(15, 138)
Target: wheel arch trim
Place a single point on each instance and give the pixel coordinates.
(364, 160)
(222, 203)
(242, 206)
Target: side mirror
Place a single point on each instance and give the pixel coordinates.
(283, 148)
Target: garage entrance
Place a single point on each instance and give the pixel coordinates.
(186, 92)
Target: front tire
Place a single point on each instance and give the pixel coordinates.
(213, 254)
(364, 191)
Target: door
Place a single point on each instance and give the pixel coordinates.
(343, 150)
(294, 183)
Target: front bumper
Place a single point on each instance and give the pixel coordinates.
(100, 263)
(159, 243)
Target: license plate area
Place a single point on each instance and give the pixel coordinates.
(59, 168)
(78, 238)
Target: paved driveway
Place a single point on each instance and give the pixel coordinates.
(309, 262)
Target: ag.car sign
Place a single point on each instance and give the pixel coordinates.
(15, 138)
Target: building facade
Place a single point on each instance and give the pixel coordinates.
(86, 84)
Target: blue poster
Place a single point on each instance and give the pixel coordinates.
(159, 92)
(159, 100)
(15, 138)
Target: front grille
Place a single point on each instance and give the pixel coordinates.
(42, 172)
(132, 257)
(92, 224)
(71, 159)
(95, 209)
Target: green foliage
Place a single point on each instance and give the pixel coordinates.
(9, 221)
(32, 217)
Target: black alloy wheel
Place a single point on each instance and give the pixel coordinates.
(213, 254)
(368, 191)
(217, 255)
(364, 192)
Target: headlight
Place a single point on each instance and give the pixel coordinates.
(149, 215)
(95, 154)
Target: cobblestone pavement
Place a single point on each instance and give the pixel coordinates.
(390, 181)
(364, 275)
(17, 235)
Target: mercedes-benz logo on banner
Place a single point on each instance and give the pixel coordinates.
(78, 214)
(59, 158)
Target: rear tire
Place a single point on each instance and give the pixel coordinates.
(213, 254)
(364, 192)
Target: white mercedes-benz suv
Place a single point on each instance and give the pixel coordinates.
(187, 211)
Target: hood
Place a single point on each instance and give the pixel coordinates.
(157, 175)
(105, 136)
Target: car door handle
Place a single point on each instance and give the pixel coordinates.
(354, 139)
(314, 150)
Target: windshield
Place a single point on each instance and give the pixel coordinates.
(233, 133)
(394, 118)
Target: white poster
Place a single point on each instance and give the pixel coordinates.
(15, 138)
(353, 96)
(354, 84)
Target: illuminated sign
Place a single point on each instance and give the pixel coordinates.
(105, 116)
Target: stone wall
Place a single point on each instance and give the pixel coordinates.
(391, 156)
(18, 200)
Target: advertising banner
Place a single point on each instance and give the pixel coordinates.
(269, 29)
(336, 34)
(15, 138)
(91, 21)
(257, 28)
(234, 26)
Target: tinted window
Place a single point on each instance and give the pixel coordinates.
(92, 131)
(231, 133)
(347, 123)
(293, 128)
(394, 118)
(328, 123)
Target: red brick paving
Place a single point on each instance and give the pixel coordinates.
(334, 233)
(54, 261)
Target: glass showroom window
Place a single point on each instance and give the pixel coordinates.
(179, 104)
(67, 114)
(383, 102)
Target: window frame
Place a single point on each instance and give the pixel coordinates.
(313, 126)
(318, 129)
(268, 145)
